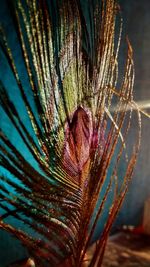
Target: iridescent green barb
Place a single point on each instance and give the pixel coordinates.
(71, 60)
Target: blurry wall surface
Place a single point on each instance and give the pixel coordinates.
(136, 16)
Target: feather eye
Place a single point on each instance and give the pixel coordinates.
(76, 145)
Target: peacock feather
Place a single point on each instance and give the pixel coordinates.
(79, 113)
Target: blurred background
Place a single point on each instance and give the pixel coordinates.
(136, 17)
